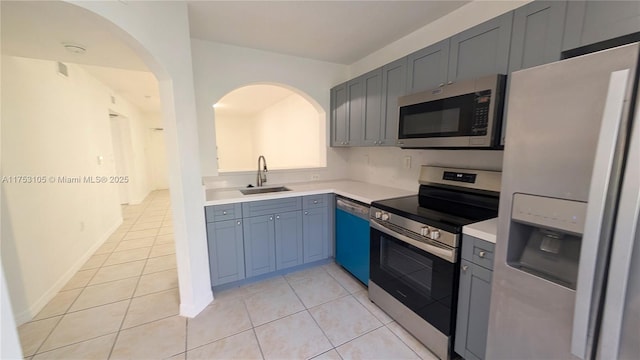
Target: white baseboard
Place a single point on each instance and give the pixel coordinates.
(39, 304)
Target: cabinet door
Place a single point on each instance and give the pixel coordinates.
(226, 251)
(537, 34)
(339, 116)
(589, 22)
(288, 233)
(355, 106)
(394, 80)
(315, 226)
(481, 50)
(259, 245)
(472, 321)
(427, 68)
(372, 86)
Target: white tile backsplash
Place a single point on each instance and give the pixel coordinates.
(386, 165)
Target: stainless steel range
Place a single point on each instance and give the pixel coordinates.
(415, 242)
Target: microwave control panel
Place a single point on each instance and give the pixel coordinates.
(481, 113)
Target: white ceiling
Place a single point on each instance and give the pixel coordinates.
(335, 31)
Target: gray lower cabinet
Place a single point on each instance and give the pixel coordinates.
(226, 251)
(481, 50)
(588, 22)
(225, 243)
(288, 239)
(474, 298)
(259, 245)
(315, 225)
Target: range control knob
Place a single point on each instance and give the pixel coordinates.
(378, 214)
(384, 216)
(424, 231)
(435, 234)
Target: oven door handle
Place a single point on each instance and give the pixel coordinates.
(441, 251)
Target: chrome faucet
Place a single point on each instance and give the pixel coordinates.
(262, 176)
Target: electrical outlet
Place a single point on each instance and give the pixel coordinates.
(407, 162)
(366, 159)
(81, 226)
(315, 177)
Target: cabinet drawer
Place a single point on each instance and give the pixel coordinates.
(267, 207)
(315, 201)
(223, 212)
(478, 251)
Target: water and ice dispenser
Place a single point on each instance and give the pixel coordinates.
(545, 237)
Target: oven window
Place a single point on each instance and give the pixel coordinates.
(421, 281)
(433, 122)
(407, 266)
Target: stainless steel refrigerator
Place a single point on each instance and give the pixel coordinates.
(566, 281)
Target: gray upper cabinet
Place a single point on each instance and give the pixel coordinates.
(394, 79)
(339, 116)
(481, 50)
(372, 107)
(537, 34)
(226, 251)
(589, 22)
(259, 245)
(536, 39)
(355, 110)
(427, 68)
(288, 239)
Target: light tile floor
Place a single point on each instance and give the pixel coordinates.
(124, 304)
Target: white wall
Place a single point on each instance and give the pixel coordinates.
(57, 126)
(159, 33)
(235, 140)
(219, 69)
(287, 134)
(465, 17)
(385, 165)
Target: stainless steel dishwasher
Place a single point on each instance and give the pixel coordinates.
(352, 237)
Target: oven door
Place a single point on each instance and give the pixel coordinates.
(425, 283)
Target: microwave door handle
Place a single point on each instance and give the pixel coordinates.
(591, 268)
(626, 236)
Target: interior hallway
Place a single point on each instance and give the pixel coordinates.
(124, 304)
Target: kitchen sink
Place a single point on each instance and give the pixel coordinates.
(265, 190)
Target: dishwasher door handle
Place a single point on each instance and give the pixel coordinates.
(351, 207)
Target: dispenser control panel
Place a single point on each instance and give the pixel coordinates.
(561, 214)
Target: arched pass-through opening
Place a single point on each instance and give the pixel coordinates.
(278, 121)
(159, 33)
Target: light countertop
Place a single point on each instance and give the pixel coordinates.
(485, 230)
(357, 190)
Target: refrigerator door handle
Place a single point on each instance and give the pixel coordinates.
(626, 232)
(585, 309)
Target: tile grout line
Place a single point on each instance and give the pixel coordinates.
(253, 328)
(402, 341)
(311, 315)
(115, 340)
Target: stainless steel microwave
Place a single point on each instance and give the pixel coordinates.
(467, 114)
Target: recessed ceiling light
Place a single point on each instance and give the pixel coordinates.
(74, 48)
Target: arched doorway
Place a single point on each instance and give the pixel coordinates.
(159, 34)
